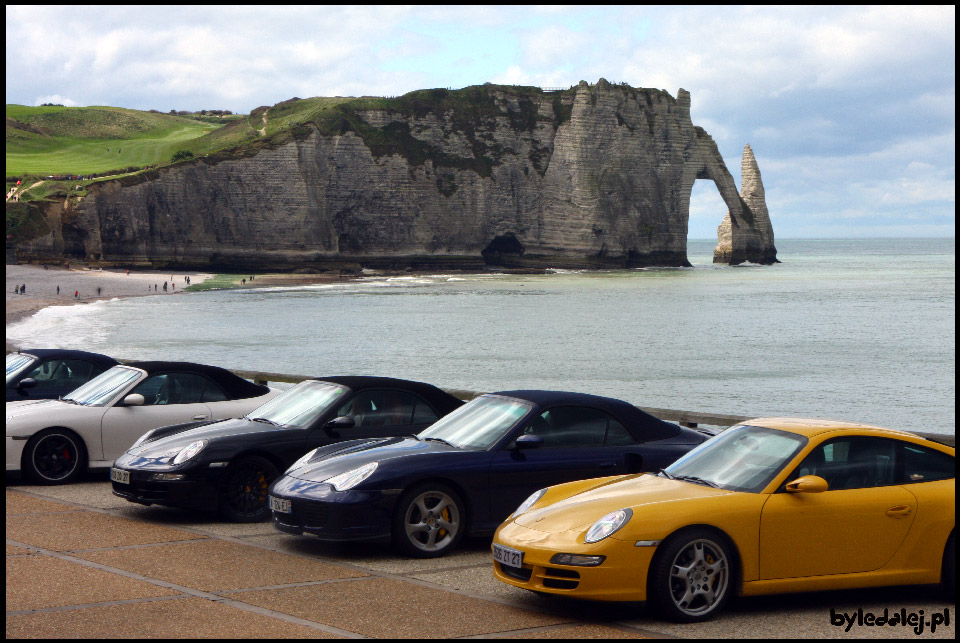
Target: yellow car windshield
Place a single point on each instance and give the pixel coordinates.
(742, 458)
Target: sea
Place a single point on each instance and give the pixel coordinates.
(861, 330)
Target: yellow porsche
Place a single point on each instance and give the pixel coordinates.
(769, 506)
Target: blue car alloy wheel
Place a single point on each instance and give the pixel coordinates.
(429, 521)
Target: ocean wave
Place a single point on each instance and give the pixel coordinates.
(63, 327)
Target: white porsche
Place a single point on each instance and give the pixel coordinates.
(54, 441)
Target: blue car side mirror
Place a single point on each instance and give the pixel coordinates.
(529, 441)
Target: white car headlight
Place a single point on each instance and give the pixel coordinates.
(352, 478)
(189, 451)
(529, 502)
(608, 525)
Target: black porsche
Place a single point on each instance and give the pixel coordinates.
(229, 465)
(51, 373)
(470, 470)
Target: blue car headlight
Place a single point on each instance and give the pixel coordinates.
(352, 478)
(608, 525)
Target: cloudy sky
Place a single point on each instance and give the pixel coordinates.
(849, 110)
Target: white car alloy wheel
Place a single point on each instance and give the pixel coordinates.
(54, 456)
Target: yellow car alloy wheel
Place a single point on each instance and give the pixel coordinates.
(690, 577)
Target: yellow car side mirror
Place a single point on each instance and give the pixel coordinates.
(807, 484)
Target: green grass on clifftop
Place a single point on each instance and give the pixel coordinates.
(82, 140)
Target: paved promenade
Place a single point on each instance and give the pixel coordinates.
(83, 563)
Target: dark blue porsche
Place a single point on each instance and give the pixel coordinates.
(468, 471)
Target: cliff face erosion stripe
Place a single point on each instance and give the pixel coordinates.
(595, 176)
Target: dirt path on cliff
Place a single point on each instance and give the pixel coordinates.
(16, 195)
(263, 131)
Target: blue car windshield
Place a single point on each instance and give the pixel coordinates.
(103, 388)
(16, 362)
(742, 458)
(479, 423)
(299, 407)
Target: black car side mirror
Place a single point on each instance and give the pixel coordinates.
(342, 422)
(27, 382)
(529, 441)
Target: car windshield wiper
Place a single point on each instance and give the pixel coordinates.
(663, 472)
(698, 481)
(70, 400)
(265, 420)
(442, 440)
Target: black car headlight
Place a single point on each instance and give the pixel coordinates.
(189, 451)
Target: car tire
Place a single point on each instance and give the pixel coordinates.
(54, 456)
(691, 576)
(243, 491)
(948, 577)
(429, 521)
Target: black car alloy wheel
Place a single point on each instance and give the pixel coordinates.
(690, 576)
(429, 521)
(243, 495)
(54, 456)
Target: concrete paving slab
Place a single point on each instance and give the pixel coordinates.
(35, 582)
(203, 521)
(19, 551)
(400, 609)
(189, 618)
(21, 503)
(90, 493)
(378, 557)
(579, 632)
(808, 615)
(84, 530)
(216, 565)
(481, 580)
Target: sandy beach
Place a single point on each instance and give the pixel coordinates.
(92, 284)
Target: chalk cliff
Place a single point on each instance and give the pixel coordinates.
(760, 235)
(595, 176)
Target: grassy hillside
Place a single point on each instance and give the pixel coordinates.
(81, 140)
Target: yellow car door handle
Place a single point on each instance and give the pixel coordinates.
(900, 511)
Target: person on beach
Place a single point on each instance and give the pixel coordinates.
(98, 289)
(164, 286)
(76, 294)
(23, 289)
(58, 289)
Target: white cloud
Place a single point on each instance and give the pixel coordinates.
(56, 99)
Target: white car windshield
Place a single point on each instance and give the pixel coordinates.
(742, 458)
(479, 423)
(299, 407)
(102, 389)
(17, 362)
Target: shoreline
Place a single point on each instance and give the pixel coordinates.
(42, 283)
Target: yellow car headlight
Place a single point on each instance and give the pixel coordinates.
(608, 525)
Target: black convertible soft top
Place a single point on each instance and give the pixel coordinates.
(652, 428)
(439, 399)
(235, 387)
(63, 353)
